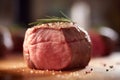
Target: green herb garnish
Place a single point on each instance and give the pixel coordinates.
(52, 19)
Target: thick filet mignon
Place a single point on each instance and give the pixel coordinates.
(56, 46)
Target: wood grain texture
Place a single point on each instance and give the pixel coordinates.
(106, 68)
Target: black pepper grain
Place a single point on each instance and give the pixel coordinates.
(91, 69)
(104, 65)
(107, 70)
(87, 72)
(111, 66)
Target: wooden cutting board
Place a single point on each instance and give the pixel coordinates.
(107, 68)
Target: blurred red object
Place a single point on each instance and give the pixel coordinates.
(103, 41)
(98, 46)
(18, 43)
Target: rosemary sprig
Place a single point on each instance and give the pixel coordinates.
(52, 19)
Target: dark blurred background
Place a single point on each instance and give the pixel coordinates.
(16, 14)
(21, 12)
